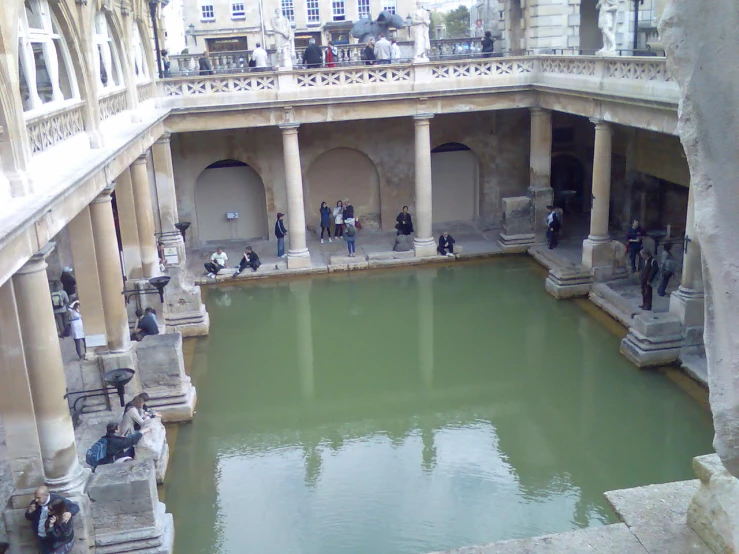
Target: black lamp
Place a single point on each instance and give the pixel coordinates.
(182, 226)
(117, 379)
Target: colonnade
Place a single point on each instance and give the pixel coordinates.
(36, 417)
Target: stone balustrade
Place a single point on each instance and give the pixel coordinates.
(44, 131)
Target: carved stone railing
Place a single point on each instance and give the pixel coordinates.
(219, 84)
(146, 91)
(46, 130)
(112, 104)
(482, 68)
(353, 76)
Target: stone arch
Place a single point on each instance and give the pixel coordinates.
(230, 186)
(568, 174)
(118, 50)
(147, 55)
(455, 181)
(342, 173)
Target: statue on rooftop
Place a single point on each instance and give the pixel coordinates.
(284, 44)
(420, 23)
(607, 10)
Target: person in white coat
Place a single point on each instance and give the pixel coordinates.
(394, 51)
(76, 331)
(339, 219)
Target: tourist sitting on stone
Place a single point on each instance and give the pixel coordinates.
(51, 521)
(404, 223)
(249, 259)
(134, 416)
(147, 325)
(120, 448)
(648, 274)
(446, 245)
(144, 396)
(218, 261)
(60, 303)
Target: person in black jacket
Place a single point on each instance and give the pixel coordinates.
(404, 223)
(368, 54)
(488, 44)
(446, 245)
(51, 521)
(117, 446)
(313, 57)
(553, 227)
(69, 283)
(280, 233)
(648, 273)
(249, 259)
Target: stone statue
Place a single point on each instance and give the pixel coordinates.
(284, 40)
(420, 23)
(607, 24)
(365, 28)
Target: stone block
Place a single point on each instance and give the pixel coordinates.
(653, 339)
(518, 213)
(161, 371)
(516, 244)
(126, 512)
(153, 446)
(688, 306)
(402, 243)
(568, 282)
(183, 307)
(714, 511)
(298, 262)
(386, 255)
(404, 255)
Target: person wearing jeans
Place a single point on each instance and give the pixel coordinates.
(280, 233)
(350, 236)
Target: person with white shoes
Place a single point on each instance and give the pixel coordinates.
(446, 245)
(325, 212)
(218, 261)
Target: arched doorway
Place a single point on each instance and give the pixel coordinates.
(568, 181)
(454, 181)
(339, 174)
(224, 189)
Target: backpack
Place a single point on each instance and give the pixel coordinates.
(351, 230)
(670, 265)
(97, 453)
(56, 300)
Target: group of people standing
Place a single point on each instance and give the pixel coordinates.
(382, 51)
(344, 221)
(67, 311)
(652, 271)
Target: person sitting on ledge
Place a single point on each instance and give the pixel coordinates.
(147, 325)
(249, 259)
(120, 448)
(446, 245)
(134, 415)
(217, 262)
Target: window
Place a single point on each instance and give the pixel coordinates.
(138, 56)
(314, 15)
(338, 9)
(107, 61)
(288, 10)
(237, 10)
(45, 68)
(207, 13)
(363, 9)
(388, 5)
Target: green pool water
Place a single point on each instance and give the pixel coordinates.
(413, 411)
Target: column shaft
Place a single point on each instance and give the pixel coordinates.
(540, 169)
(16, 402)
(692, 274)
(167, 195)
(128, 225)
(88, 281)
(144, 218)
(423, 243)
(297, 254)
(46, 374)
(601, 182)
(109, 270)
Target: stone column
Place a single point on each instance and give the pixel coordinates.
(62, 471)
(540, 169)
(424, 242)
(598, 249)
(297, 254)
(128, 225)
(164, 176)
(88, 281)
(16, 402)
(144, 218)
(109, 270)
(687, 302)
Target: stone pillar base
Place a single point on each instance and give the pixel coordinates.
(604, 259)
(183, 308)
(714, 511)
(126, 511)
(568, 282)
(654, 339)
(298, 259)
(424, 248)
(688, 306)
(516, 244)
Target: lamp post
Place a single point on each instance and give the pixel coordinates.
(153, 11)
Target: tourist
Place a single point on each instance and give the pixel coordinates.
(312, 56)
(259, 57)
(76, 330)
(147, 325)
(218, 261)
(249, 259)
(404, 223)
(144, 396)
(325, 213)
(280, 233)
(488, 44)
(69, 283)
(60, 303)
(206, 68)
(383, 50)
(446, 245)
(368, 54)
(332, 55)
(351, 235)
(51, 521)
(119, 448)
(648, 274)
(634, 243)
(553, 227)
(162, 257)
(667, 268)
(348, 210)
(134, 415)
(339, 219)
(394, 51)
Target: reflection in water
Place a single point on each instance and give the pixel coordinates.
(414, 411)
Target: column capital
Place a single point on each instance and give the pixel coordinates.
(165, 138)
(289, 128)
(140, 160)
(37, 262)
(421, 118)
(537, 111)
(105, 194)
(600, 124)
